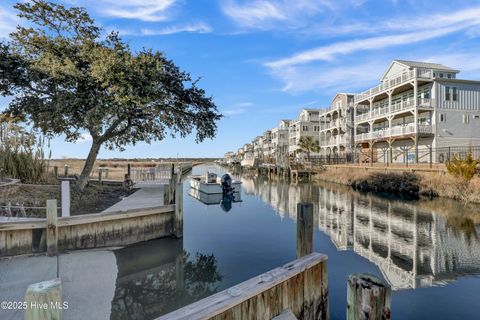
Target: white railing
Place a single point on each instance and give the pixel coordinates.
(396, 107)
(394, 132)
(399, 79)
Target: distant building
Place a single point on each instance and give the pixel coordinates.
(307, 124)
(280, 143)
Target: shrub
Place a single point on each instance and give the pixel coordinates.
(464, 168)
(21, 154)
(403, 185)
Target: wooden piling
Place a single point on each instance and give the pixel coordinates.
(368, 298)
(304, 229)
(43, 300)
(52, 228)
(178, 209)
(129, 170)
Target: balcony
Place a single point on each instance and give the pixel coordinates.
(396, 107)
(335, 141)
(402, 78)
(395, 131)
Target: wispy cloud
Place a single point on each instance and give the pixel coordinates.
(199, 27)
(317, 68)
(328, 53)
(267, 14)
(145, 10)
(238, 108)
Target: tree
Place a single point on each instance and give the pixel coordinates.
(308, 145)
(68, 80)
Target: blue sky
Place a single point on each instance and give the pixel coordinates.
(262, 60)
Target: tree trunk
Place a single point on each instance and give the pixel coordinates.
(87, 168)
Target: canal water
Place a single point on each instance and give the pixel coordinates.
(428, 251)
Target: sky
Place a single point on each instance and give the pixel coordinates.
(263, 60)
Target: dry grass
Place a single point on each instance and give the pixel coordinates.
(431, 183)
(116, 168)
(449, 186)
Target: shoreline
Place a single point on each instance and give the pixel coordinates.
(431, 183)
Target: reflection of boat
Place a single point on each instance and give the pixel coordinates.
(213, 198)
(210, 183)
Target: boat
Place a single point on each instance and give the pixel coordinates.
(210, 183)
(212, 199)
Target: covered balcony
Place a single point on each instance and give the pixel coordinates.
(395, 131)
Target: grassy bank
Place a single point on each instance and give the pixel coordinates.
(429, 183)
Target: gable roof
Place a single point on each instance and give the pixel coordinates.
(418, 64)
(429, 65)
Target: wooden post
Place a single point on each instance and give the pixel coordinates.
(100, 175)
(43, 300)
(178, 210)
(65, 170)
(55, 172)
(65, 187)
(129, 170)
(304, 229)
(368, 298)
(52, 232)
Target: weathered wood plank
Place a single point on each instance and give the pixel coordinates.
(255, 289)
(44, 300)
(368, 298)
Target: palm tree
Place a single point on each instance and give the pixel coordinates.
(308, 145)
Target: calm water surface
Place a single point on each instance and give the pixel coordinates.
(428, 251)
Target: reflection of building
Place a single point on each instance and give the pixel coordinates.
(412, 246)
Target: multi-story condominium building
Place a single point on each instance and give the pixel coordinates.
(336, 126)
(267, 146)
(280, 143)
(248, 159)
(416, 107)
(307, 124)
(230, 157)
(258, 148)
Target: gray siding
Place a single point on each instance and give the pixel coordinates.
(468, 96)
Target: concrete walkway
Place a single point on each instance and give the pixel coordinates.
(150, 195)
(88, 282)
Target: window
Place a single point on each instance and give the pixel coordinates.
(426, 94)
(443, 117)
(305, 128)
(454, 94)
(440, 75)
(465, 119)
(434, 74)
(449, 75)
(447, 93)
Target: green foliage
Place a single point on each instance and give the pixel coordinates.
(464, 168)
(69, 78)
(21, 154)
(308, 145)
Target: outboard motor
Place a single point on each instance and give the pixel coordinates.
(227, 188)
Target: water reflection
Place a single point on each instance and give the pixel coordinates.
(158, 276)
(415, 244)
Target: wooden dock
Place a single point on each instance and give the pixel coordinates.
(300, 286)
